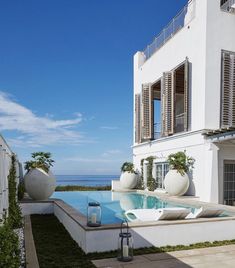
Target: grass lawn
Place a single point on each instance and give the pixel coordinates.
(54, 246)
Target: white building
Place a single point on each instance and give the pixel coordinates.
(184, 95)
(5, 164)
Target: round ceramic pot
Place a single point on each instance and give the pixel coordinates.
(39, 184)
(175, 183)
(129, 180)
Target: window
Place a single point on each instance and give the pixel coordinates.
(228, 90)
(161, 170)
(229, 183)
(162, 107)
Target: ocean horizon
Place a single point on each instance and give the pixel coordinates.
(85, 180)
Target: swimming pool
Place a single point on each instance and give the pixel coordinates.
(113, 204)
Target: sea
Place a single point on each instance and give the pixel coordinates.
(86, 180)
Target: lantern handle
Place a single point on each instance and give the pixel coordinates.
(127, 226)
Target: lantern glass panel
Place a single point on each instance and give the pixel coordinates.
(125, 247)
(93, 214)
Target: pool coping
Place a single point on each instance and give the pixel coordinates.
(81, 219)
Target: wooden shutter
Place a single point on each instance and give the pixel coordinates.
(228, 90)
(167, 104)
(186, 94)
(147, 112)
(137, 119)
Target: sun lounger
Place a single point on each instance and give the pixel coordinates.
(205, 213)
(144, 215)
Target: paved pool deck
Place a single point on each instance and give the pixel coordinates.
(216, 257)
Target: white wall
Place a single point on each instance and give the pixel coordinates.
(189, 42)
(202, 40)
(5, 161)
(220, 36)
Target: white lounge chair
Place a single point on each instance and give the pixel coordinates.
(205, 213)
(157, 214)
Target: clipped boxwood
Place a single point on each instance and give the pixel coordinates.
(9, 250)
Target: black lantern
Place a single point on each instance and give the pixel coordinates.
(93, 214)
(125, 244)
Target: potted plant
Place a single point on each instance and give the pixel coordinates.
(176, 180)
(39, 181)
(129, 176)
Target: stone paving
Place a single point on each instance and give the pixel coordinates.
(216, 257)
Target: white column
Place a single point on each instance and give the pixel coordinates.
(211, 191)
(145, 174)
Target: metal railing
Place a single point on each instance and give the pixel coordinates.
(181, 20)
(228, 5)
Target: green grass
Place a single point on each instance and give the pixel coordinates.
(142, 251)
(82, 188)
(54, 246)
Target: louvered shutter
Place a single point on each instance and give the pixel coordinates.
(167, 104)
(186, 94)
(147, 112)
(137, 119)
(228, 90)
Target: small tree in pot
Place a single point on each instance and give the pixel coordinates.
(176, 180)
(129, 176)
(40, 183)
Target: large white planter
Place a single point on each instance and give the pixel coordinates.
(39, 184)
(175, 183)
(129, 180)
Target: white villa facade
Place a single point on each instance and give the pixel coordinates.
(184, 95)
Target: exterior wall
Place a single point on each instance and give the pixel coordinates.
(195, 146)
(202, 40)
(166, 58)
(5, 160)
(220, 36)
(29, 208)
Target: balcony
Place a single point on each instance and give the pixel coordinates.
(228, 5)
(183, 18)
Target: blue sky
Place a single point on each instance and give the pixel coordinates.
(66, 77)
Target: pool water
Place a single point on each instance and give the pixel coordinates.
(113, 204)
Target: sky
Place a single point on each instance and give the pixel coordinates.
(66, 77)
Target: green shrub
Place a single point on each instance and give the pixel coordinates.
(64, 188)
(181, 162)
(21, 190)
(40, 160)
(9, 248)
(128, 167)
(15, 217)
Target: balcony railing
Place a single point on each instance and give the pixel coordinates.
(228, 5)
(181, 20)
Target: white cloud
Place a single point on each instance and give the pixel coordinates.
(35, 131)
(111, 153)
(109, 128)
(91, 160)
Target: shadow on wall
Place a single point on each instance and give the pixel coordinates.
(191, 190)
